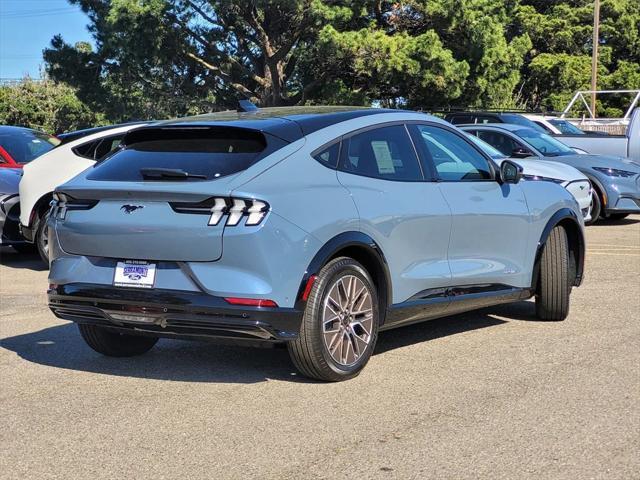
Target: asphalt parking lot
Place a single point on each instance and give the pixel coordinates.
(490, 394)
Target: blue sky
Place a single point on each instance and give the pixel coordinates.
(26, 28)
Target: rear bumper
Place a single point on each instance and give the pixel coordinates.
(171, 313)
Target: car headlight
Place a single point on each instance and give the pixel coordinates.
(614, 172)
(544, 179)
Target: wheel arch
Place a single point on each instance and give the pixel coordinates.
(601, 191)
(363, 249)
(567, 219)
(39, 207)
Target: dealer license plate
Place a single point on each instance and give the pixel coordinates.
(135, 273)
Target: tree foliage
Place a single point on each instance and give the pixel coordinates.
(162, 58)
(48, 106)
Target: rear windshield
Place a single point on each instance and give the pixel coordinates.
(24, 145)
(201, 153)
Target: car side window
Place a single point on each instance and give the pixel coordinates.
(460, 119)
(329, 156)
(453, 158)
(106, 146)
(500, 141)
(486, 119)
(385, 153)
(86, 150)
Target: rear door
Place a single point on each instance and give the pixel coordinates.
(399, 207)
(490, 221)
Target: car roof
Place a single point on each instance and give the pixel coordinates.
(12, 128)
(74, 135)
(287, 123)
(511, 127)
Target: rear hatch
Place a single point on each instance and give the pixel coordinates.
(153, 198)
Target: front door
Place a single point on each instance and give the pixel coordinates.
(490, 221)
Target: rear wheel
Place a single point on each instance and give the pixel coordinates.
(554, 284)
(42, 237)
(115, 344)
(340, 324)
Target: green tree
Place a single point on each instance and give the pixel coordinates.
(162, 58)
(45, 105)
(559, 62)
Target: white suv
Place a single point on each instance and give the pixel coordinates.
(44, 174)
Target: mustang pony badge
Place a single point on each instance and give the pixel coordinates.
(129, 209)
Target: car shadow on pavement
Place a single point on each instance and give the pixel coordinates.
(12, 258)
(605, 222)
(183, 361)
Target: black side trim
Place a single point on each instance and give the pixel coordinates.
(562, 215)
(340, 242)
(441, 302)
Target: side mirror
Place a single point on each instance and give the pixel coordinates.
(521, 153)
(510, 172)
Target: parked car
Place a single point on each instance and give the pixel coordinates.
(627, 145)
(317, 227)
(464, 118)
(43, 175)
(19, 146)
(616, 181)
(10, 210)
(557, 126)
(540, 170)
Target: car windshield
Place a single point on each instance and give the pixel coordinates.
(566, 127)
(545, 144)
(486, 148)
(24, 145)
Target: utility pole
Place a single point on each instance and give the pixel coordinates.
(594, 56)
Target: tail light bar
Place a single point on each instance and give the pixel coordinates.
(62, 203)
(234, 208)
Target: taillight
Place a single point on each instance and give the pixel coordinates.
(251, 302)
(62, 203)
(235, 209)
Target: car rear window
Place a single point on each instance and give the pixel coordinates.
(204, 153)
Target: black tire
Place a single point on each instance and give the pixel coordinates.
(617, 216)
(115, 344)
(554, 284)
(596, 208)
(41, 239)
(309, 352)
(24, 247)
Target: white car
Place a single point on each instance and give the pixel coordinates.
(567, 176)
(42, 175)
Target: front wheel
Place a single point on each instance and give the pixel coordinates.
(115, 344)
(340, 323)
(554, 284)
(595, 207)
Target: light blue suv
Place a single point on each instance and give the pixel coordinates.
(318, 227)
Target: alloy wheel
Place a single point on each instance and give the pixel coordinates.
(347, 320)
